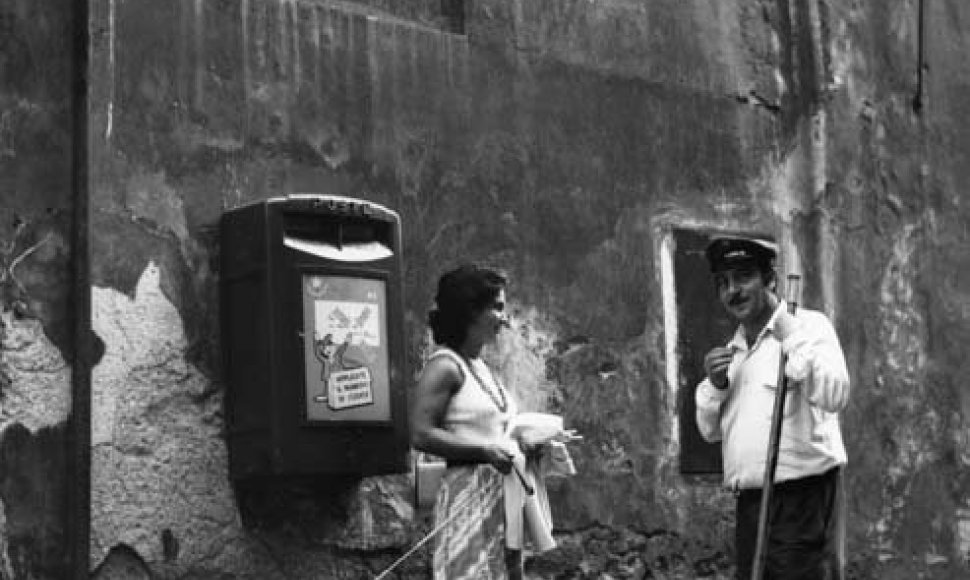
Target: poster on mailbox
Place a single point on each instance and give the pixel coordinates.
(345, 348)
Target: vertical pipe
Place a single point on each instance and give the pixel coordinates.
(79, 422)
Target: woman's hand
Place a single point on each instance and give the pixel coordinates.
(532, 450)
(498, 457)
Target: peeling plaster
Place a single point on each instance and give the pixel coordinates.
(160, 467)
(903, 328)
(39, 393)
(36, 394)
(159, 461)
(903, 336)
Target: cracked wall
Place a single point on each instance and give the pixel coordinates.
(158, 464)
(562, 144)
(36, 289)
(896, 196)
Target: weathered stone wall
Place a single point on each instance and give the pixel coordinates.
(197, 107)
(561, 141)
(36, 307)
(896, 212)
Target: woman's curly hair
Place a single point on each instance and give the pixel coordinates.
(463, 294)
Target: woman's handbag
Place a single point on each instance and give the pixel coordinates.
(428, 471)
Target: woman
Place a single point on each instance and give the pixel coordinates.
(460, 413)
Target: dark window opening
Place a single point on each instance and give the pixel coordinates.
(454, 13)
(702, 324)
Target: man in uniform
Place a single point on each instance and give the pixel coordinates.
(735, 402)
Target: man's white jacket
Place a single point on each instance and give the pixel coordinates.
(740, 415)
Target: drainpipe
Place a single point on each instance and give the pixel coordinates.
(79, 423)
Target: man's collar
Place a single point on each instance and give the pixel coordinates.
(739, 342)
(770, 325)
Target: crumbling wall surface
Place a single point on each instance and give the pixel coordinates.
(897, 190)
(197, 107)
(559, 141)
(505, 145)
(36, 216)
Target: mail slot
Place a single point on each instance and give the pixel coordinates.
(312, 335)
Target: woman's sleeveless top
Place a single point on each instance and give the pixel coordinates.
(471, 411)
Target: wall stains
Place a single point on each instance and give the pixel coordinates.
(889, 173)
(34, 534)
(36, 339)
(530, 143)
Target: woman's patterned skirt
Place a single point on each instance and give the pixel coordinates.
(471, 546)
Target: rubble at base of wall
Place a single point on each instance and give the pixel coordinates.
(603, 552)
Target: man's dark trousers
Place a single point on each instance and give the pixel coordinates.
(802, 540)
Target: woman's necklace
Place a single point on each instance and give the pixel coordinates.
(499, 400)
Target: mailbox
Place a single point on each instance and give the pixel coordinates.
(312, 335)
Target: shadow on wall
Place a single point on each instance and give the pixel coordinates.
(307, 504)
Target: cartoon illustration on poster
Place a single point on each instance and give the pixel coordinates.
(346, 345)
(348, 329)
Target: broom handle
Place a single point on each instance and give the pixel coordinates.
(777, 415)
